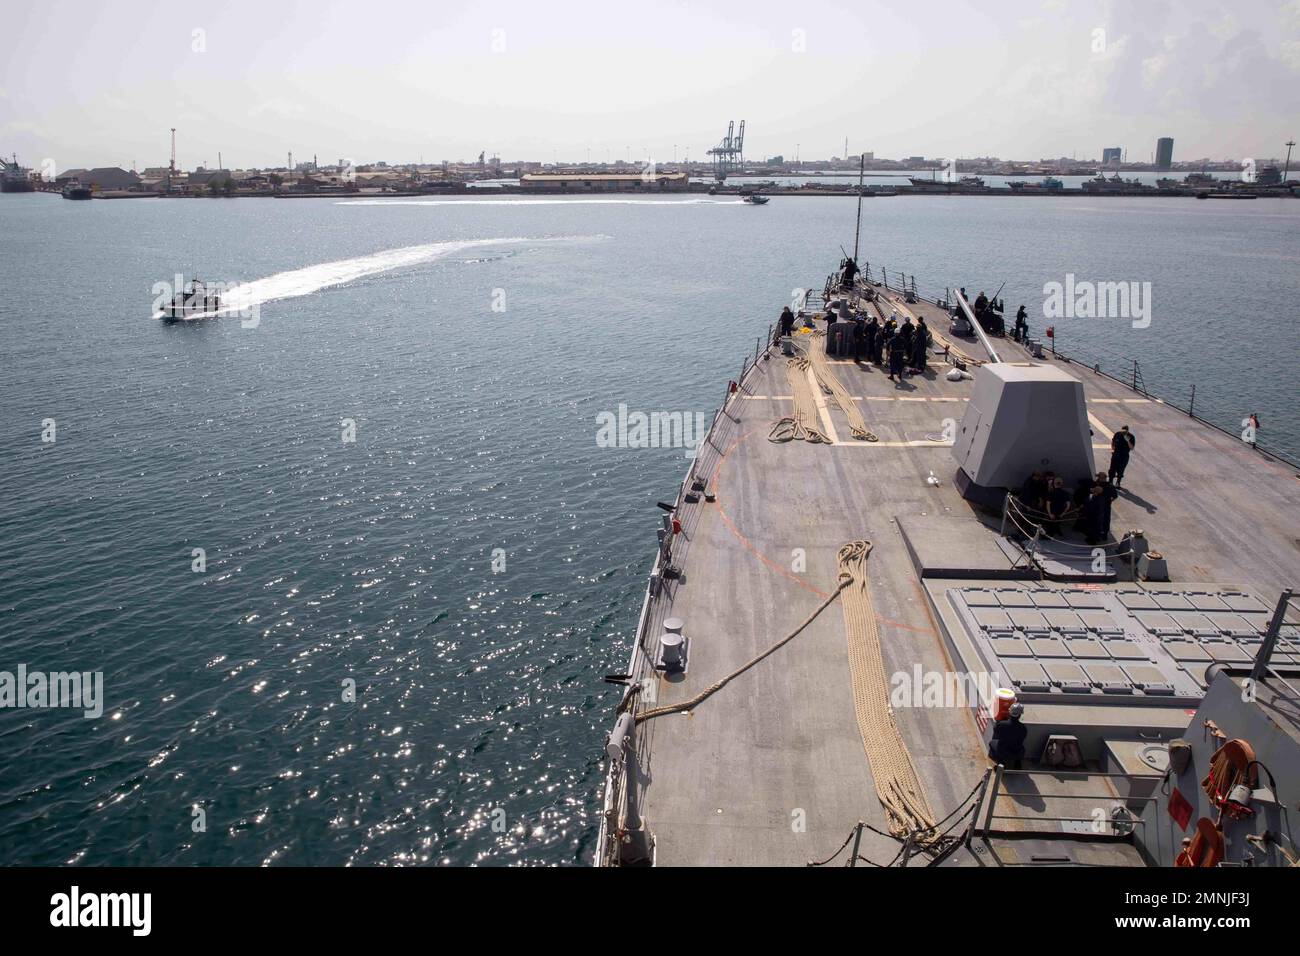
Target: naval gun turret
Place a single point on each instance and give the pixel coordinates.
(1021, 417)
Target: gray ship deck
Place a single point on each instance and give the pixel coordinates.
(771, 769)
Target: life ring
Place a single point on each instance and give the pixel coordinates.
(1233, 763)
(1205, 848)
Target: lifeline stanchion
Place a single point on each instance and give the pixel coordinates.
(857, 842)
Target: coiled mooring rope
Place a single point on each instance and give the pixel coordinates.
(799, 426)
(831, 385)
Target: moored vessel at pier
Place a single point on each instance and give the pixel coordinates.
(14, 178)
(75, 190)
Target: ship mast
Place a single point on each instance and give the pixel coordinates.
(857, 230)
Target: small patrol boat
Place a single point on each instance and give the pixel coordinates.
(197, 302)
(754, 199)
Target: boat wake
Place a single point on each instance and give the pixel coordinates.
(243, 298)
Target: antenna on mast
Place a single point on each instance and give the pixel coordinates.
(862, 168)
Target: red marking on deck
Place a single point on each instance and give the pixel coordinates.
(745, 542)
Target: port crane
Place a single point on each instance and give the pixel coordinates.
(730, 153)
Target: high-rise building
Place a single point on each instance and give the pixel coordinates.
(1111, 154)
(1164, 152)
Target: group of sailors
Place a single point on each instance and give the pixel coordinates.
(989, 314)
(1045, 499)
(903, 348)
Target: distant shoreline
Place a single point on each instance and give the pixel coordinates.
(781, 191)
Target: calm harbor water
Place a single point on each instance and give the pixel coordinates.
(473, 561)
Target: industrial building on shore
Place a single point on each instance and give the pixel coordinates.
(592, 182)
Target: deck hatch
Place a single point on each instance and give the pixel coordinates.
(1243, 602)
(1010, 647)
(1149, 678)
(1184, 651)
(1065, 621)
(1069, 676)
(1122, 648)
(1048, 647)
(1108, 678)
(1029, 621)
(1191, 621)
(1157, 622)
(991, 618)
(1027, 675)
(1086, 648)
(1226, 652)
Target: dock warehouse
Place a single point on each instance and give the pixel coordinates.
(603, 182)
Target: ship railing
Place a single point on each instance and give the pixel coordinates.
(1263, 665)
(992, 820)
(1127, 371)
(980, 816)
(1029, 522)
(1037, 544)
(1027, 528)
(892, 281)
(658, 597)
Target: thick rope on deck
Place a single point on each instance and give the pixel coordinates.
(833, 387)
(718, 685)
(897, 784)
(799, 425)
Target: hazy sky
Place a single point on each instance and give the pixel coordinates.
(95, 83)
